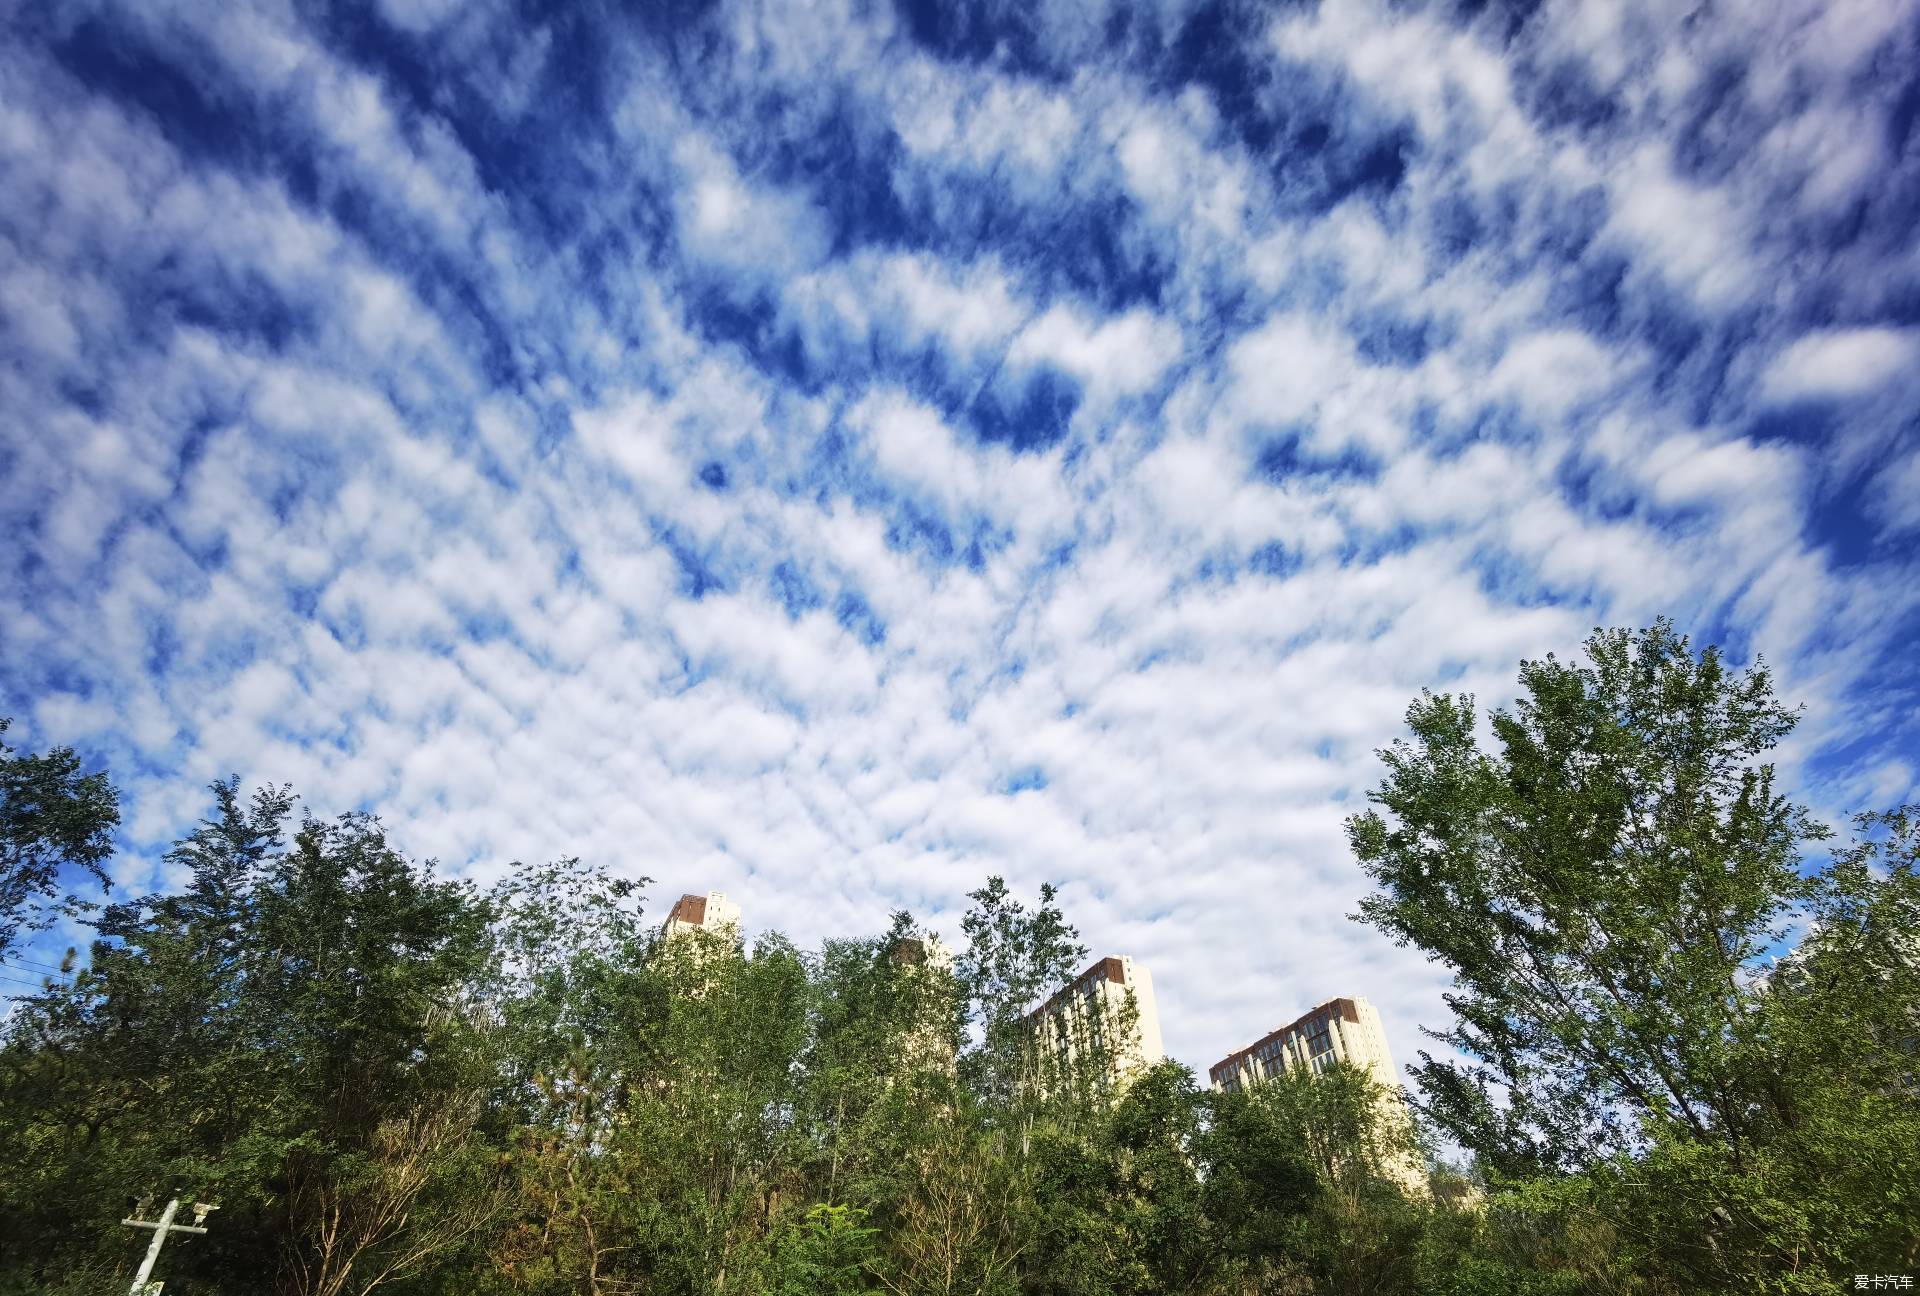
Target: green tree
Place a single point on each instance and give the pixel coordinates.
(287, 1036)
(1014, 959)
(143, 1074)
(359, 978)
(54, 821)
(1118, 1196)
(959, 1218)
(656, 1083)
(955, 1192)
(880, 1055)
(1299, 1189)
(1832, 1055)
(1601, 885)
(571, 991)
(1662, 1110)
(1542, 1237)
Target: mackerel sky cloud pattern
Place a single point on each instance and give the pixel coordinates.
(832, 453)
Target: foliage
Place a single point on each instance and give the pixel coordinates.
(1013, 960)
(1606, 886)
(1300, 1184)
(830, 1255)
(54, 822)
(253, 1040)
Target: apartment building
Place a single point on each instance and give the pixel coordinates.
(712, 913)
(1340, 1030)
(926, 963)
(1095, 1005)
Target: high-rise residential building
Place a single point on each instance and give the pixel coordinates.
(712, 912)
(1096, 1004)
(1343, 1030)
(927, 964)
(1340, 1030)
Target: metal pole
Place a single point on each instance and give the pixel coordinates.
(153, 1251)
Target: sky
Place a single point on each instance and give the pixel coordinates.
(833, 454)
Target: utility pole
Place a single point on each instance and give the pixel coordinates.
(161, 1227)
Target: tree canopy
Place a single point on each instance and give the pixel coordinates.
(1610, 880)
(55, 822)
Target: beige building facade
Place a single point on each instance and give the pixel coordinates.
(926, 962)
(1095, 1004)
(1341, 1030)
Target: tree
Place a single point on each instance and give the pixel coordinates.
(53, 820)
(147, 1069)
(362, 962)
(880, 1054)
(954, 1188)
(1601, 885)
(574, 1002)
(1013, 960)
(1665, 1111)
(1833, 1059)
(383, 1213)
(288, 1036)
(1119, 1195)
(959, 1222)
(1298, 1185)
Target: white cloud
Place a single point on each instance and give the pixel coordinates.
(1298, 373)
(1896, 493)
(635, 435)
(923, 458)
(1116, 357)
(1005, 121)
(1168, 167)
(1285, 369)
(1842, 363)
(909, 300)
(1693, 236)
(1417, 65)
(730, 222)
(1551, 372)
(803, 663)
(437, 486)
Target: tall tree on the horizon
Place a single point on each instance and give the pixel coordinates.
(54, 820)
(1014, 958)
(285, 1036)
(1601, 885)
(1606, 884)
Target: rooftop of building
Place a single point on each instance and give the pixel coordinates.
(1107, 969)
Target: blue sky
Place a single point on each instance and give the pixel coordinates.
(833, 454)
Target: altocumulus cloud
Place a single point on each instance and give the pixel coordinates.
(833, 453)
